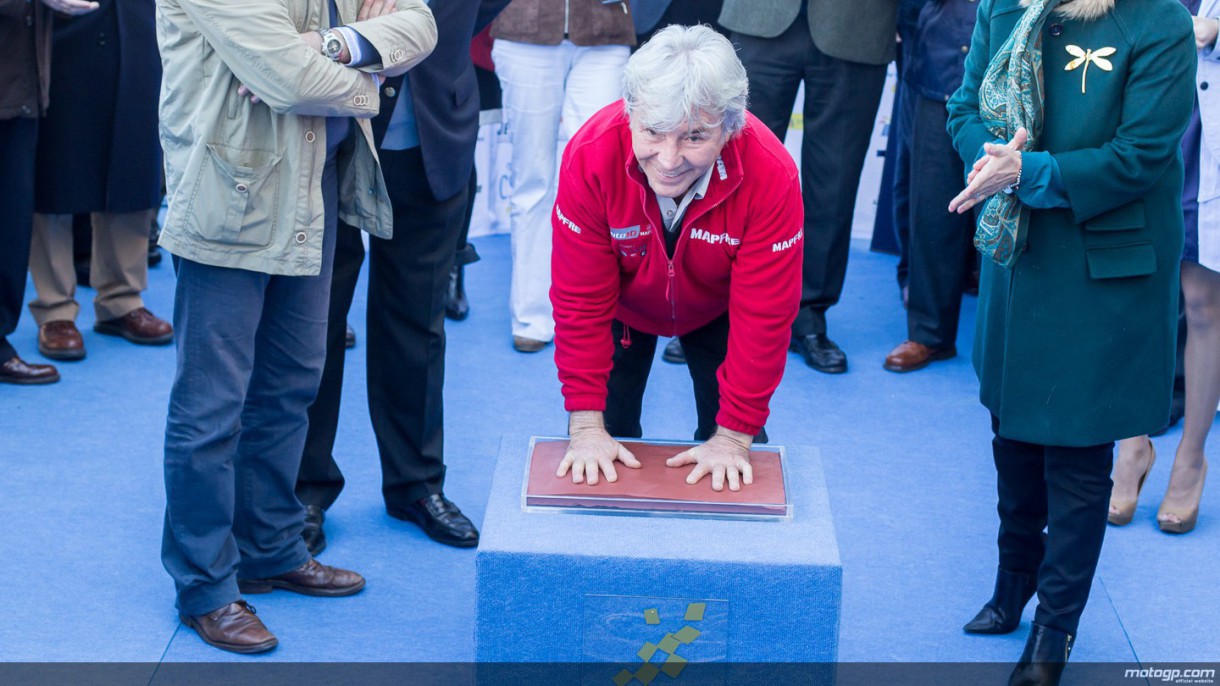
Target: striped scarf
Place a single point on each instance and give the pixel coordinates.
(1011, 96)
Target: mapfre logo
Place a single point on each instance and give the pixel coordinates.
(713, 238)
(566, 222)
(784, 245)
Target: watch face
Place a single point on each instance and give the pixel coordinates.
(331, 45)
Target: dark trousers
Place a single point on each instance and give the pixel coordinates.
(634, 351)
(466, 254)
(250, 353)
(405, 342)
(903, 119)
(941, 243)
(18, 138)
(841, 99)
(1053, 503)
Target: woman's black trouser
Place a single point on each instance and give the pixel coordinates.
(1053, 503)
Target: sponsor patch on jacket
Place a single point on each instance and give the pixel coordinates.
(625, 234)
(784, 245)
(713, 238)
(566, 222)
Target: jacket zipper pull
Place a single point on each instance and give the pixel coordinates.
(625, 341)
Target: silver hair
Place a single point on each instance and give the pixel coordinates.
(686, 76)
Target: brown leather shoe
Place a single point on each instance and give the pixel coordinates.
(234, 627)
(60, 340)
(527, 345)
(138, 326)
(311, 578)
(18, 371)
(910, 356)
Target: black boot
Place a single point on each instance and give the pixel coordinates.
(674, 354)
(1002, 614)
(313, 533)
(457, 307)
(1045, 656)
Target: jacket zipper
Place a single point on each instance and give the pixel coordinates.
(670, 290)
(670, 295)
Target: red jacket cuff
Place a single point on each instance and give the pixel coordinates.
(737, 424)
(585, 403)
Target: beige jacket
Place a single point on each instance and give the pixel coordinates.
(243, 179)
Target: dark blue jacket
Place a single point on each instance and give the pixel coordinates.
(942, 40)
(908, 16)
(445, 94)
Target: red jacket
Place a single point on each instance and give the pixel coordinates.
(739, 251)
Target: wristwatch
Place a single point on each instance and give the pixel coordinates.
(332, 47)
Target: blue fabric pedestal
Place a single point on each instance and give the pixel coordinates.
(631, 596)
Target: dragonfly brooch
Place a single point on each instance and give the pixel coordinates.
(1087, 57)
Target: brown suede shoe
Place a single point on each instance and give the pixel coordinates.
(311, 578)
(910, 356)
(234, 627)
(138, 326)
(60, 340)
(18, 371)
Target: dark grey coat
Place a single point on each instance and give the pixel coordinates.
(852, 30)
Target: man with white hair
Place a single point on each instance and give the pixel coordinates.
(678, 214)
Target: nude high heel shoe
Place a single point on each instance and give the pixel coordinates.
(1180, 519)
(1122, 511)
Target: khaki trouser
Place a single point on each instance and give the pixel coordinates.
(118, 270)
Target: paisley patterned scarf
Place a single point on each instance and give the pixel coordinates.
(1011, 95)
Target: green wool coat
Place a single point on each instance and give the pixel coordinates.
(1074, 346)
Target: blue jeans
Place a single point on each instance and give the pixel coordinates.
(250, 353)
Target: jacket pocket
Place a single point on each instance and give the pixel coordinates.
(1125, 218)
(236, 203)
(1121, 261)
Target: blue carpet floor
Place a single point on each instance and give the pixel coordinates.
(907, 461)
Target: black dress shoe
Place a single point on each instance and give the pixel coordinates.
(457, 307)
(1002, 614)
(440, 519)
(313, 534)
(1046, 654)
(821, 353)
(673, 352)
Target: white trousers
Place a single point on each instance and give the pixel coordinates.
(544, 87)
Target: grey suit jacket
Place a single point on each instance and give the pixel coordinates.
(853, 30)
